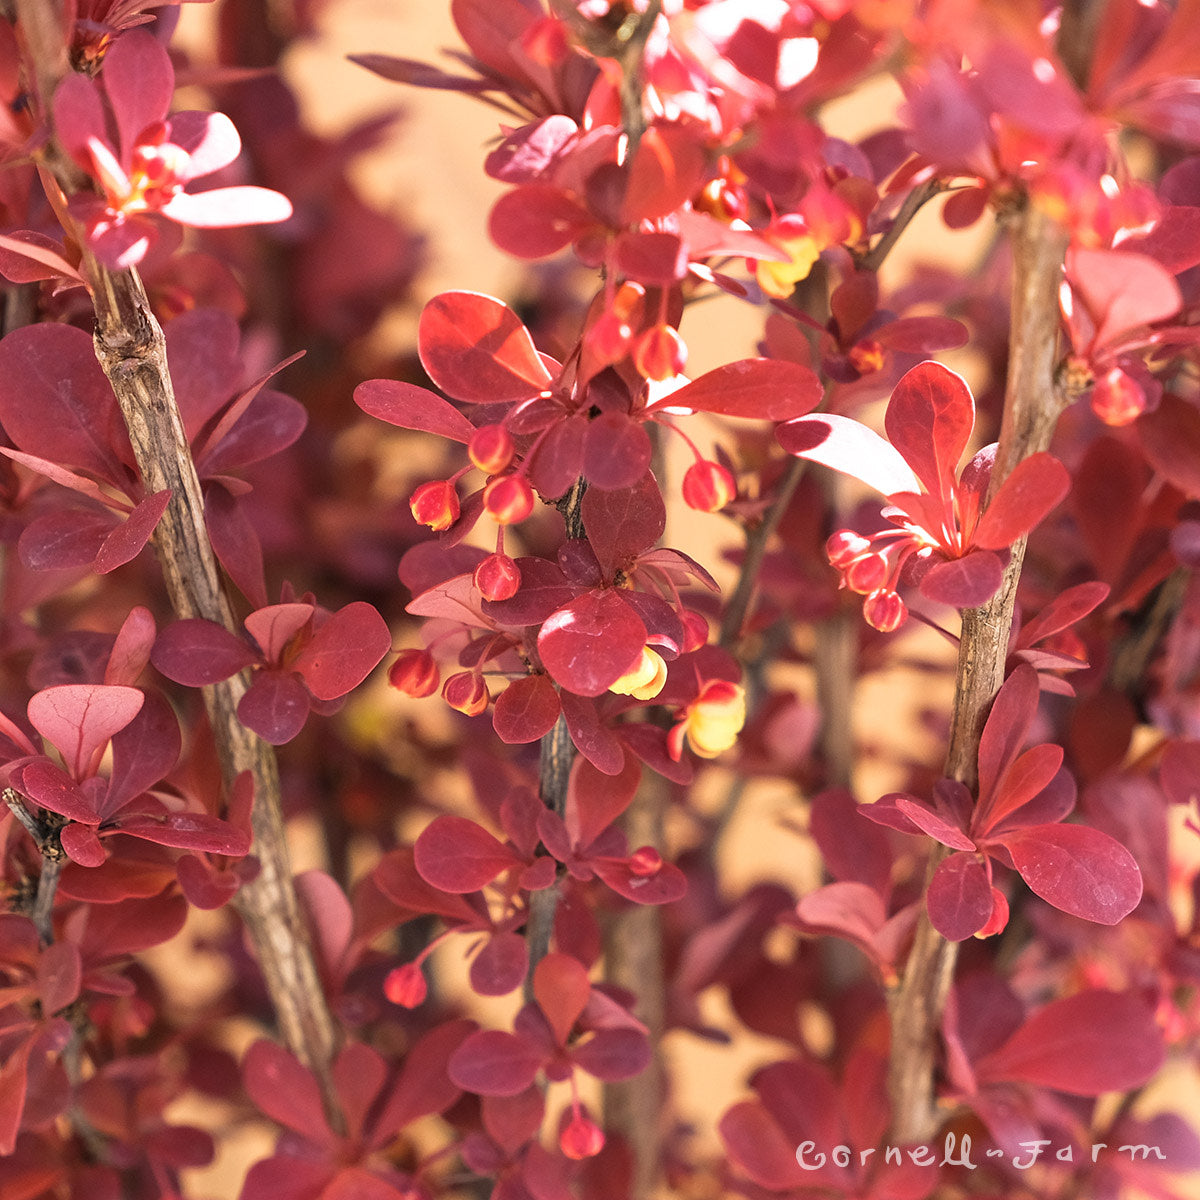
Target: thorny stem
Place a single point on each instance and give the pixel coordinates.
(45, 838)
(1031, 410)
(132, 351)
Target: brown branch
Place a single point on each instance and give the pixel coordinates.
(45, 838)
(1031, 410)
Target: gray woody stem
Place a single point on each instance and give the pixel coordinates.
(1031, 410)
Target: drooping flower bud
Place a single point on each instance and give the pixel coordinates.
(509, 499)
(645, 862)
(711, 722)
(491, 448)
(660, 353)
(498, 577)
(608, 338)
(1118, 398)
(581, 1137)
(645, 679)
(884, 610)
(405, 985)
(866, 574)
(435, 504)
(466, 692)
(415, 674)
(708, 486)
(843, 547)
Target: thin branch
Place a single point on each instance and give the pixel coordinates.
(45, 838)
(1031, 410)
(916, 199)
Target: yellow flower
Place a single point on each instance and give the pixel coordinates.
(778, 279)
(646, 678)
(712, 722)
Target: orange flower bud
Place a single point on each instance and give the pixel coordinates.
(608, 338)
(712, 721)
(708, 486)
(491, 448)
(866, 357)
(1118, 398)
(415, 674)
(645, 862)
(645, 679)
(582, 1138)
(406, 986)
(435, 504)
(509, 499)
(466, 692)
(660, 353)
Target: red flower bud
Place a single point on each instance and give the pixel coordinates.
(866, 574)
(581, 1138)
(708, 486)
(660, 353)
(415, 674)
(844, 547)
(1118, 398)
(884, 610)
(466, 692)
(498, 577)
(435, 504)
(645, 861)
(406, 986)
(608, 338)
(491, 448)
(509, 499)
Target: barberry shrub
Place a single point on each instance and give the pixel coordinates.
(827, 707)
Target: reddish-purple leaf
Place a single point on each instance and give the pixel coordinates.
(286, 1091)
(526, 710)
(59, 976)
(612, 1054)
(125, 542)
(196, 652)
(51, 787)
(595, 799)
(412, 407)
(274, 626)
(668, 168)
(187, 831)
(458, 856)
(82, 845)
(130, 653)
(500, 965)
(959, 897)
(235, 542)
(849, 910)
(1006, 726)
(476, 349)
(1179, 771)
(1092, 1042)
(850, 447)
(1170, 437)
(760, 1148)
(65, 538)
(1063, 610)
(654, 259)
(1078, 869)
(203, 886)
(275, 706)
(543, 590)
(616, 451)
(1033, 487)
(143, 752)
(492, 1062)
(589, 644)
(1029, 775)
(851, 850)
(557, 462)
(594, 740)
(536, 220)
(929, 422)
(667, 885)
(78, 719)
(27, 256)
(344, 651)
(621, 524)
(922, 335)
(763, 389)
(964, 582)
(928, 821)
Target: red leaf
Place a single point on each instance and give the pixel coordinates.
(82, 845)
(655, 259)
(344, 651)
(850, 447)
(476, 349)
(922, 335)
(235, 542)
(143, 752)
(561, 988)
(1078, 869)
(1033, 487)
(125, 542)
(492, 1062)
(762, 389)
(63, 539)
(1179, 771)
(500, 965)
(544, 590)
(412, 407)
(1006, 726)
(929, 421)
(456, 855)
(526, 710)
(964, 582)
(589, 644)
(536, 220)
(424, 1085)
(130, 653)
(594, 740)
(759, 1147)
(1121, 290)
(286, 1091)
(1028, 776)
(275, 706)
(959, 898)
(196, 652)
(616, 451)
(1092, 1042)
(667, 169)
(848, 910)
(665, 886)
(928, 821)
(596, 799)
(621, 524)
(1170, 437)
(274, 626)
(1063, 611)
(80, 718)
